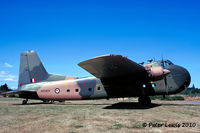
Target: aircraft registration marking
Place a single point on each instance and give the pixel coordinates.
(45, 90)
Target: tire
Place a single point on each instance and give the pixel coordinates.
(24, 102)
(144, 101)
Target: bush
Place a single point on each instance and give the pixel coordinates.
(168, 98)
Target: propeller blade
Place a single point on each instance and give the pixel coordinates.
(162, 63)
(166, 85)
(165, 72)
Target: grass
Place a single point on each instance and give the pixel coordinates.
(118, 125)
(71, 132)
(137, 125)
(92, 116)
(78, 126)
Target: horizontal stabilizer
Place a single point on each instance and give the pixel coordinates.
(17, 92)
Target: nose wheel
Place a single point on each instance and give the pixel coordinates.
(145, 100)
(24, 102)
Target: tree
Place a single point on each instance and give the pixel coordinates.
(4, 88)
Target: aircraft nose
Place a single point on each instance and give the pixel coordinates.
(188, 78)
(181, 77)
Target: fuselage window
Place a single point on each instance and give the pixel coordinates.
(89, 89)
(153, 85)
(68, 90)
(99, 88)
(76, 90)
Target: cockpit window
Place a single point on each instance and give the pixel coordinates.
(166, 63)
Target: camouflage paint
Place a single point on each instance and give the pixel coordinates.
(87, 89)
(48, 91)
(112, 72)
(177, 78)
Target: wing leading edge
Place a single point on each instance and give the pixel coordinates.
(112, 66)
(120, 76)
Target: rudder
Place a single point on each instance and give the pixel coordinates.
(31, 69)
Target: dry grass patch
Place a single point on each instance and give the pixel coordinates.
(94, 116)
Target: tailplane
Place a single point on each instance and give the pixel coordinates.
(31, 69)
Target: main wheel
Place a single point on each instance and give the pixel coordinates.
(46, 101)
(61, 101)
(24, 102)
(148, 100)
(51, 101)
(144, 100)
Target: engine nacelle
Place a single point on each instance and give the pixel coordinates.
(156, 73)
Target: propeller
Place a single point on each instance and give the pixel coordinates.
(158, 72)
(165, 78)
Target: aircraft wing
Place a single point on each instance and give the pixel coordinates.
(112, 66)
(120, 76)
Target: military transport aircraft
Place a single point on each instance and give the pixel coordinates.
(115, 76)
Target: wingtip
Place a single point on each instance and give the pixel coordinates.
(97, 57)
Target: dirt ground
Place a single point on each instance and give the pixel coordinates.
(99, 116)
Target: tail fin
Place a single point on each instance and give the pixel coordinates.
(31, 69)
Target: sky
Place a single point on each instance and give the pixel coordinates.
(66, 32)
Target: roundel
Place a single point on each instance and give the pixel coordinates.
(57, 90)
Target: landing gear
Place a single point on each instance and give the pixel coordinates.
(51, 101)
(24, 102)
(61, 101)
(144, 100)
(48, 101)
(164, 96)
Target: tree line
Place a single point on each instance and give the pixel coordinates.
(192, 91)
(4, 88)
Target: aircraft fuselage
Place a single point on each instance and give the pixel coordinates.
(116, 76)
(92, 87)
